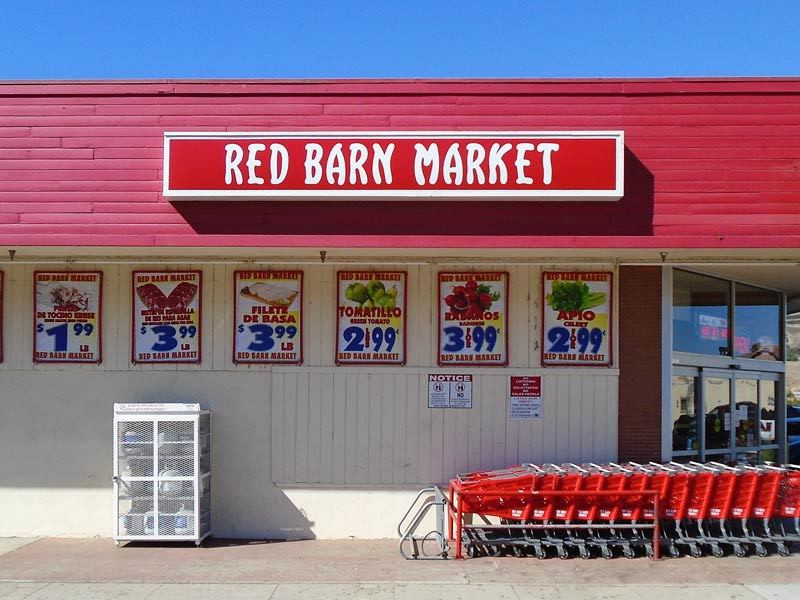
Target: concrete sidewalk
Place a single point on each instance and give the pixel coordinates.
(95, 569)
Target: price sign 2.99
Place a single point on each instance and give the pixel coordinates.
(166, 316)
(577, 318)
(371, 317)
(67, 317)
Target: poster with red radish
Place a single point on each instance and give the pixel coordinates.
(473, 319)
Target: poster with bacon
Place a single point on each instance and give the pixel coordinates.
(166, 316)
(66, 318)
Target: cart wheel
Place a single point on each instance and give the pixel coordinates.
(717, 552)
(584, 553)
(472, 551)
(494, 551)
(605, 552)
(761, 551)
(562, 553)
(783, 551)
(518, 551)
(628, 552)
(740, 552)
(673, 551)
(540, 552)
(695, 552)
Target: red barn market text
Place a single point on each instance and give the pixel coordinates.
(559, 164)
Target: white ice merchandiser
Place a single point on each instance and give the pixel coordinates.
(162, 472)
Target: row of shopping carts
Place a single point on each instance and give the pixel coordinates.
(627, 509)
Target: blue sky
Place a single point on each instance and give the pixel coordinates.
(87, 39)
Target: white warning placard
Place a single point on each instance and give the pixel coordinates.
(449, 391)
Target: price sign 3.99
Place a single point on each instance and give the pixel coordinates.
(268, 324)
(577, 318)
(371, 317)
(166, 316)
(67, 317)
(473, 319)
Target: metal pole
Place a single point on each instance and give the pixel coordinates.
(656, 530)
(459, 519)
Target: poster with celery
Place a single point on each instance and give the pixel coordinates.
(371, 317)
(577, 309)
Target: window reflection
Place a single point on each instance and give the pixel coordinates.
(767, 392)
(758, 317)
(717, 394)
(744, 419)
(684, 414)
(700, 313)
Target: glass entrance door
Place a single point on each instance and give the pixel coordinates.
(724, 415)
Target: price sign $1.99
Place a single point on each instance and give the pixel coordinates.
(60, 333)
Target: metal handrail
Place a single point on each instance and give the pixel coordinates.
(439, 501)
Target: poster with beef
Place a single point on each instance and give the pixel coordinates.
(577, 309)
(473, 319)
(268, 325)
(371, 318)
(66, 324)
(166, 316)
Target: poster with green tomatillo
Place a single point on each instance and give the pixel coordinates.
(371, 317)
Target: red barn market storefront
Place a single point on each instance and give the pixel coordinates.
(375, 285)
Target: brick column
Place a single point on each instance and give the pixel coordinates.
(640, 364)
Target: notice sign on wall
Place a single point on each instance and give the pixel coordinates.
(449, 391)
(67, 317)
(525, 398)
(268, 324)
(473, 324)
(577, 318)
(166, 316)
(371, 317)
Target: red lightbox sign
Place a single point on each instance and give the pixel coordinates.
(555, 165)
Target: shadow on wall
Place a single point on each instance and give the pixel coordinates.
(56, 436)
(630, 216)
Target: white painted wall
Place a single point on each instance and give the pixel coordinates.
(315, 450)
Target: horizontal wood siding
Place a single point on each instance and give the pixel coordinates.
(710, 162)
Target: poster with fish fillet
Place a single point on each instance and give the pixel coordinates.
(66, 318)
(268, 327)
(166, 316)
(577, 318)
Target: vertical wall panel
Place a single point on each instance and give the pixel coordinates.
(372, 426)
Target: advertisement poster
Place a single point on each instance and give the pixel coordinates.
(166, 316)
(371, 318)
(268, 326)
(473, 320)
(67, 317)
(525, 397)
(577, 318)
(449, 391)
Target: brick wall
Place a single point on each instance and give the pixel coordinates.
(640, 363)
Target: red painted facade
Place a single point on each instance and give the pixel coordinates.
(708, 163)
